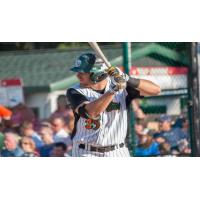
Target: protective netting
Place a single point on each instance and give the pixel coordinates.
(161, 122)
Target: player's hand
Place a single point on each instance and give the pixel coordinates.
(113, 71)
(117, 84)
(117, 74)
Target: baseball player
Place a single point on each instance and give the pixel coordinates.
(100, 104)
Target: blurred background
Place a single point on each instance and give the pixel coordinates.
(35, 76)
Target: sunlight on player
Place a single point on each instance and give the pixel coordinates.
(100, 103)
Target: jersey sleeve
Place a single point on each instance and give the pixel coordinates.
(75, 98)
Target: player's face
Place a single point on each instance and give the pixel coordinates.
(84, 78)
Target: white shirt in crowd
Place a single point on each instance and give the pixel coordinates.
(63, 136)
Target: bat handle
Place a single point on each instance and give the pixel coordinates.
(107, 64)
(110, 70)
(98, 51)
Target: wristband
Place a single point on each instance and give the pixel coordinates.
(133, 82)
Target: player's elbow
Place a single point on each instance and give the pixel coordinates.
(91, 112)
(149, 88)
(93, 115)
(156, 90)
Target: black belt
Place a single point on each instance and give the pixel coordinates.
(101, 149)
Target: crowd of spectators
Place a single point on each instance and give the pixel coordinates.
(23, 135)
(165, 136)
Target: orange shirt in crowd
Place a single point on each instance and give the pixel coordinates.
(5, 113)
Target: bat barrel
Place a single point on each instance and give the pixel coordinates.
(99, 53)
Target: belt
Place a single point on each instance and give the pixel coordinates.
(101, 149)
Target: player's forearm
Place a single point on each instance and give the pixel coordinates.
(147, 87)
(98, 106)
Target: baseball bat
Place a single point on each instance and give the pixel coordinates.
(99, 53)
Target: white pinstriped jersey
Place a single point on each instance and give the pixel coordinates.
(110, 129)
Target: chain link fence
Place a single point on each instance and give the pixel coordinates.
(161, 125)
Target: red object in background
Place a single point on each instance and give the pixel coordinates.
(11, 82)
(150, 70)
(5, 113)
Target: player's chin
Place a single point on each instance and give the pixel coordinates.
(81, 81)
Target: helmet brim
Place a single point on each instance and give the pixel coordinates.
(76, 69)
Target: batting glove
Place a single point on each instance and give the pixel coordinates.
(117, 74)
(117, 84)
(114, 71)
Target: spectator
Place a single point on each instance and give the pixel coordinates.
(165, 149)
(1, 140)
(46, 133)
(153, 127)
(1, 127)
(147, 147)
(28, 146)
(183, 147)
(64, 111)
(12, 148)
(59, 150)
(139, 130)
(28, 130)
(183, 124)
(137, 110)
(21, 113)
(47, 137)
(169, 134)
(5, 116)
(60, 135)
(158, 139)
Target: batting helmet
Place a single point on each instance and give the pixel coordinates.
(89, 63)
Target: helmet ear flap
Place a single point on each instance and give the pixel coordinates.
(97, 77)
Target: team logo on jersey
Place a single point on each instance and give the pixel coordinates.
(113, 106)
(92, 124)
